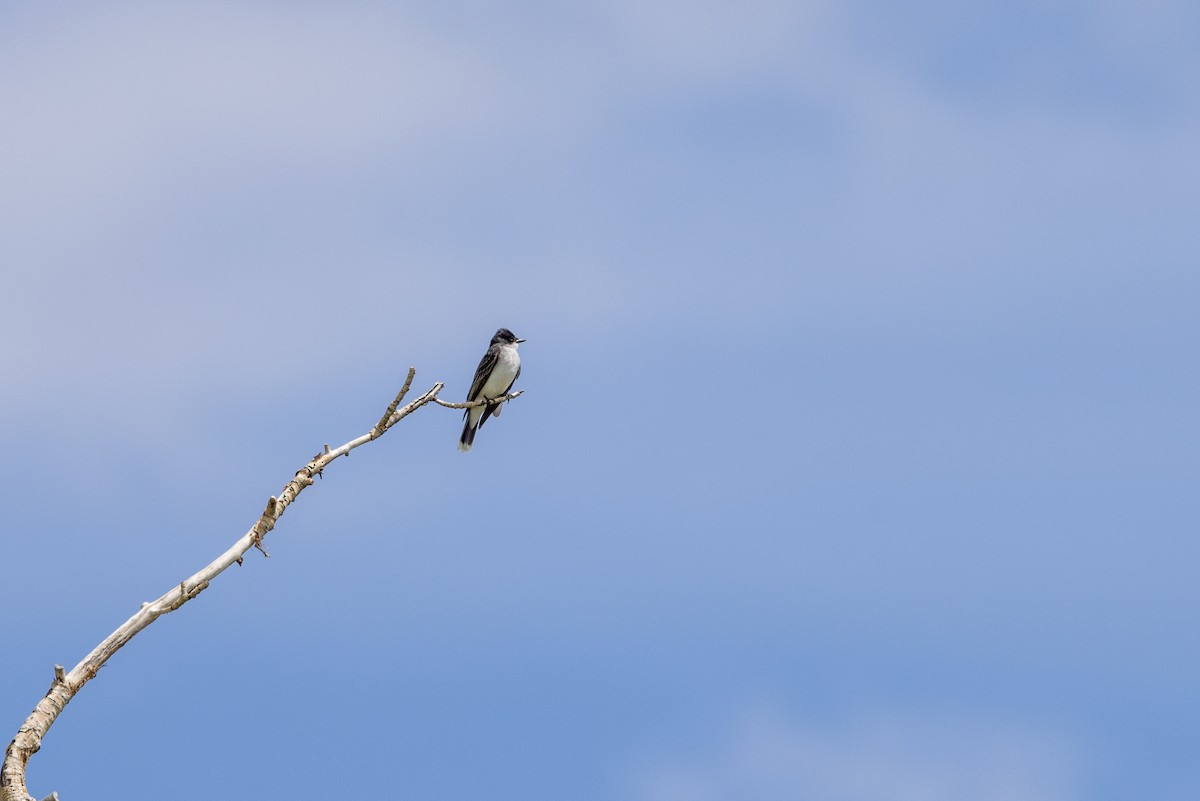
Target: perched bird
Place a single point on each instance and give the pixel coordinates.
(497, 372)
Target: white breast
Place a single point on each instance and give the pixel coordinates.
(503, 374)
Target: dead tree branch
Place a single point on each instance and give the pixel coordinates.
(472, 404)
(66, 684)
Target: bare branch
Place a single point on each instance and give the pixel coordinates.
(65, 685)
(488, 402)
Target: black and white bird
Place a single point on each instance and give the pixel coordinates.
(497, 372)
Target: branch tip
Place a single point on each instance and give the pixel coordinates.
(60, 675)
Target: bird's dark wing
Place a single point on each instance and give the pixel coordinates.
(481, 373)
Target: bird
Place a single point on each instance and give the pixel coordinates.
(497, 372)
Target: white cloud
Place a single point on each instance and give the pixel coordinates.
(881, 758)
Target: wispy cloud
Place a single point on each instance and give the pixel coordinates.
(766, 757)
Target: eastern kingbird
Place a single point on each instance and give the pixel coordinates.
(497, 372)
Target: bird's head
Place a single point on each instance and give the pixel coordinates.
(505, 337)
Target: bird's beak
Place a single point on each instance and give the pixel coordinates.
(519, 341)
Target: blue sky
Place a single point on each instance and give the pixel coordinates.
(859, 449)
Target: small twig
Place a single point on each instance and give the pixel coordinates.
(383, 423)
(405, 411)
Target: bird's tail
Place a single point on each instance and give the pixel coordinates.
(468, 435)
